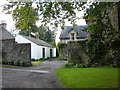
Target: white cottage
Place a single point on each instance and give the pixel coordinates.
(39, 48)
(73, 34)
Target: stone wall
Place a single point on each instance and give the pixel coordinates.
(7, 47)
(63, 51)
(76, 52)
(113, 15)
(11, 51)
(22, 52)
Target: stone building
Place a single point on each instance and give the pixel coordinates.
(71, 34)
(11, 51)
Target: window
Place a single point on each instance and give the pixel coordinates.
(72, 36)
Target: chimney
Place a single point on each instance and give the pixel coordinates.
(37, 35)
(3, 24)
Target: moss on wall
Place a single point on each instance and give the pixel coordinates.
(76, 52)
(63, 51)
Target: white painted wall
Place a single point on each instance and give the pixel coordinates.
(39, 52)
(54, 52)
(47, 52)
(36, 51)
(67, 40)
(34, 47)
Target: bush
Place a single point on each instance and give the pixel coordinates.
(26, 63)
(23, 63)
(3, 62)
(41, 59)
(6, 62)
(78, 66)
(17, 63)
(69, 65)
(33, 59)
(10, 62)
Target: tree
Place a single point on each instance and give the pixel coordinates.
(100, 47)
(52, 13)
(44, 33)
(25, 17)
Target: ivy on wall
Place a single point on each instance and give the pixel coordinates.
(103, 41)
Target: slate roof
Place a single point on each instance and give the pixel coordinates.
(5, 35)
(37, 41)
(79, 29)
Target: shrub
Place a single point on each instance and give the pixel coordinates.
(78, 66)
(17, 62)
(72, 65)
(33, 59)
(69, 65)
(26, 63)
(23, 63)
(10, 62)
(6, 62)
(41, 59)
(3, 62)
(48, 57)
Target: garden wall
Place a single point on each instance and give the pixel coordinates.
(76, 52)
(63, 54)
(13, 52)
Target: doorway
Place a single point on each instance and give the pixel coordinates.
(50, 53)
(43, 54)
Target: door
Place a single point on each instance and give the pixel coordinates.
(50, 53)
(43, 54)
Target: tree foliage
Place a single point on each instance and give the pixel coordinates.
(100, 47)
(44, 33)
(103, 41)
(25, 17)
(52, 13)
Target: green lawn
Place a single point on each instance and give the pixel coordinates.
(87, 77)
(34, 63)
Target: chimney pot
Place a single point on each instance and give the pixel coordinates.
(3, 24)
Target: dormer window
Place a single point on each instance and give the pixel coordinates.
(72, 36)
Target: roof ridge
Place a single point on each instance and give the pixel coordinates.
(5, 34)
(37, 41)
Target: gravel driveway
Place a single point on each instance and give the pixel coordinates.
(32, 77)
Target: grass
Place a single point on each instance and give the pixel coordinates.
(34, 63)
(87, 77)
(7, 66)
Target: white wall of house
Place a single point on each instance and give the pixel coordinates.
(36, 50)
(67, 40)
(34, 47)
(47, 52)
(54, 52)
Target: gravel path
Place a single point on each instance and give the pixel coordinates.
(32, 77)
